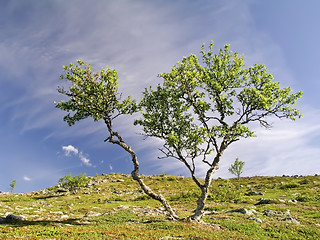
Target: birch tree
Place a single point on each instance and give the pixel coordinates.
(204, 106)
(95, 95)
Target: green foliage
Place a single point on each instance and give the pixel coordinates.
(92, 94)
(237, 168)
(199, 103)
(204, 106)
(289, 185)
(307, 197)
(74, 183)
(13, 185)
(188, 196)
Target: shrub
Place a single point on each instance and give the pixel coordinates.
(308, 197)
(74, 183)
(227, 193)
(289, 185)
(186, 196)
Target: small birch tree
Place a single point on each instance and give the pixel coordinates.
(236, 169)
(13, 185)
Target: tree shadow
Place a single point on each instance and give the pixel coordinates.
(22, 223)
(46, 197)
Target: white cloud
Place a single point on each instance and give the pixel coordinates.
(84, 160)
(110, 167)
(26, 178)
(70, 149)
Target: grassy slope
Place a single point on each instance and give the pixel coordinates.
(113, 207)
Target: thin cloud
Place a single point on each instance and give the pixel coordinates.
(25, 178)
(84, 160)
(69, 149)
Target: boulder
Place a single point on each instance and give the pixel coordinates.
(243, 211)
(14, 218)
(291, 220)
(257, 220)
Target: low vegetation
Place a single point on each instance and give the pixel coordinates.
(113, 206)
(74, 183)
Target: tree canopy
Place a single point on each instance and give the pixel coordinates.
(201, 108)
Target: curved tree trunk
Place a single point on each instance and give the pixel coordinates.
(135, 173)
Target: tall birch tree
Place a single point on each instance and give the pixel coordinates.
(204, 106)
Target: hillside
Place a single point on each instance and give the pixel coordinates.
(113, 207)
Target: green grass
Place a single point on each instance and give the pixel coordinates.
(114, 207)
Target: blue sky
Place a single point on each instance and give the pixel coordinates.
(141, 39)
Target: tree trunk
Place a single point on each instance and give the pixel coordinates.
(199, 212)
(135, 173)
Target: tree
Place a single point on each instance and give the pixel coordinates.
(237, 168)
(96, 95)
(200, 109)
(13, 185)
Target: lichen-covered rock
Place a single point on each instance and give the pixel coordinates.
(11, 217)
(291, 220)
(257, 220)
(243, 211)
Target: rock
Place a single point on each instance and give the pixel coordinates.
(269, 201)
(291, 220)
(11, 217)
(82, 222)
(257, 220)
(263, 201)
(210, 213)
(62, 190)
(269, 213)
(243, 211)
(256, 193)
(92, 214)
(215, 226)
(123, 207)
(167, 238)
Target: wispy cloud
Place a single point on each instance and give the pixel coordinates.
(84, 160)
(25, 178)
(68, 150)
